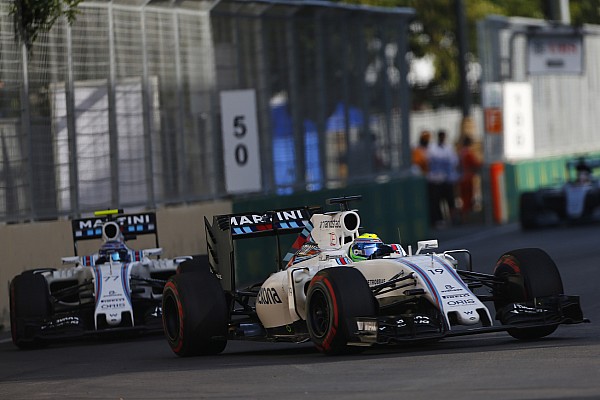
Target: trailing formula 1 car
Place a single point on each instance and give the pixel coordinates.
(578, 200)
(346, 291)
(115, 290)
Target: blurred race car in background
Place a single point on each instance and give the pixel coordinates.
(346, 291)
(115, 290)
(578, 200)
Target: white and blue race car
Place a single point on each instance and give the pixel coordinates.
(345, 291)
(577, 200)
(115, 290)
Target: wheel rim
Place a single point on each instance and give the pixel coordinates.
(320, 314)
(171, 317)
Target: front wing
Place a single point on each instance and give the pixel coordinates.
(396, 329)
(79, 322)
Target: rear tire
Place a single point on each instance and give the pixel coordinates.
(29, 307)
(335, 295)
(528, 211)
(531, 273)
(195, 264)
(195, 314)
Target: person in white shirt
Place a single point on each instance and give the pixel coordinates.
(442, 178)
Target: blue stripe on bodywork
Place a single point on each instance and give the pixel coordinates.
(423, 275)
(98, 282)
(125, 281)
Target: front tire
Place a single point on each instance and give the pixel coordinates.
(530, 273)
(29, 307)
(195, 314)
(335, 295)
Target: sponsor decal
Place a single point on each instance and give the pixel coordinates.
(61, 322)
(470, 312)
(522, 309)
(268, 296)
(253, 219)
(122, 220)
(331, 224)
(450, 288)
(378, 281)
(108, 304)
(400, 323)
(455, 296)
(466, 302)
(367, 326)
(289, 215)
(249, 220)
(90, 223)
(332, 239)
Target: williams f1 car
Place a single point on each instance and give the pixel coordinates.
(345, 291)
(115, 290)
(578, 200)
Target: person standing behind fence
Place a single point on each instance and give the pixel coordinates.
(442, 178)
(470, 165)
(419, 154)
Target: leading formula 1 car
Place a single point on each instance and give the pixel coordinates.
(578, 200)
(115, 290)
(323, 295)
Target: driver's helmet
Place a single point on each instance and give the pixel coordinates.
(364, 246)
(115, 251)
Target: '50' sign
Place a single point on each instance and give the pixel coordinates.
(240, 141)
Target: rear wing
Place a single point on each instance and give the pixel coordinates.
(131, 225)
(226, 229)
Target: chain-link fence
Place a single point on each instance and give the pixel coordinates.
(121, 108)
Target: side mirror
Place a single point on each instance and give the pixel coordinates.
(70, 260)
(426, 245)
(153, 252)
(460, 259)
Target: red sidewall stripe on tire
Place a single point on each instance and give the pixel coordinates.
(13, 309)
(511, 262)
(326, 345)
(171, 286)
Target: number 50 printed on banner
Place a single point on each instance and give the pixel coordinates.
(240, 141)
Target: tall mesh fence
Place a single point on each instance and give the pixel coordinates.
(121, 108)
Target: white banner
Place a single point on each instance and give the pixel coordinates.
(517, 120)
(240, 141)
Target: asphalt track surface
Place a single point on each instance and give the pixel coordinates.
(565, 365)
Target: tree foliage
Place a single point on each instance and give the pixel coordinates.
(32, 17)
(434, 32)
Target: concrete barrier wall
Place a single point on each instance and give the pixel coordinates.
(42, 244)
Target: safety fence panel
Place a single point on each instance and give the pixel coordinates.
(121, 108)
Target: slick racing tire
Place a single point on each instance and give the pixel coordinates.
(29, 307)
(530, 273)
(528, 210)
(195, 264)
(335, 295)
(195, 314)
